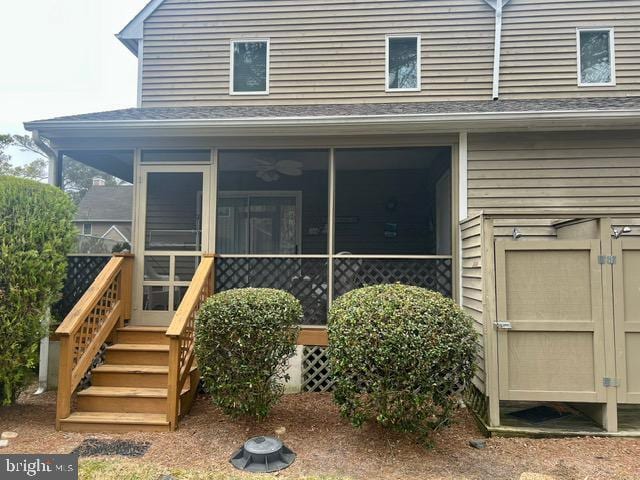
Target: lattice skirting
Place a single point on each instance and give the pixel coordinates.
(82, 270)
(316, 375)
(476, 401)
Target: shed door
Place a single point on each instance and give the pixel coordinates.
(626, 295)
(550, 295)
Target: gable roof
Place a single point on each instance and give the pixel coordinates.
(134, 30)
(106, 203)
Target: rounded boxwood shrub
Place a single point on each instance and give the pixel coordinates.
(399, 355)
(244, 338)
(36, 235)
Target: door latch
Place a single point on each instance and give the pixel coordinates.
(503, 325)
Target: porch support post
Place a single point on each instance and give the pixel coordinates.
(463, 210)
(331, 224)
(462, 175)
(55, 179)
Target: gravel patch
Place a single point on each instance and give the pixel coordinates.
(95, 447)
(327, 445)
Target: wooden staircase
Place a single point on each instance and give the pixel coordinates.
(149, 378)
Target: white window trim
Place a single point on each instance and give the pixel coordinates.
(418, 38)
(249, 40)
(612, 55)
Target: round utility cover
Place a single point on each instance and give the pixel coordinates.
(263, 454)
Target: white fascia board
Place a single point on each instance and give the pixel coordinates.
(134, 30)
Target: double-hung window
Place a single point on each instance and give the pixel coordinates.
(403, 63)
(249, 67)
(596, 57)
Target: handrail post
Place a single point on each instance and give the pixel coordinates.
(173, 395)
(63, 405)
(126, 286)
(181, 337)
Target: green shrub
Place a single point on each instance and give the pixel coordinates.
(399, 355)
(244, 338)
(36, 234)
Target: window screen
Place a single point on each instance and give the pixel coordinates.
(250, 67)
(402, 63)
(595, 57)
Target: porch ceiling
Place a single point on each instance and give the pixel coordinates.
(345, 119)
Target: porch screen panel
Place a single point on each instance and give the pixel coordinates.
(392, 201)
(174, 212)
(271, 224)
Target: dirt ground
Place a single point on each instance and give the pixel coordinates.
(328, 446)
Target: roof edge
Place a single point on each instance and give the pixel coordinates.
(134, 30)
(524, 117)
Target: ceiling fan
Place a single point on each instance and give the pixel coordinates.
(271, 171)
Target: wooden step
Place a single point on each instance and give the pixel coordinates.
(115, 422)
(123, 400)
(113, 375)
(137, 354)
(143, 334)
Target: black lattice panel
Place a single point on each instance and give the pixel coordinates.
(305, 279)
(352, 273)
(82, 270)
(316, 375)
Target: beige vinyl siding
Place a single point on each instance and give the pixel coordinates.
(333, 51)
(539, 47)
(472, 288)
(555, 172)
(329, 51)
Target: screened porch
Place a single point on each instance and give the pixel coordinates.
(315, 222)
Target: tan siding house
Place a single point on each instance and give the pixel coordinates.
(485, 149)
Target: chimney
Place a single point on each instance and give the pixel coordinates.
(99, 182)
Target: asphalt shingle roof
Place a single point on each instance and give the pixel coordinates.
(364, 109)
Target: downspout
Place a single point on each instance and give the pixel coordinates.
(496, 50)
(43, 367)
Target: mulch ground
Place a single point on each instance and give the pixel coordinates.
(328, 445)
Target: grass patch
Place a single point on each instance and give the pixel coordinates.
(130, 470)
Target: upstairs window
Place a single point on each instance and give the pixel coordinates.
(596, 58)
(249, 67)
(86, 229)
(403, 63)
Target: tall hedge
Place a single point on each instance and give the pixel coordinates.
(399, 355)
(244, 338)
(36, 235)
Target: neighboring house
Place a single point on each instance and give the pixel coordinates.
(104, 213)
(487, 150)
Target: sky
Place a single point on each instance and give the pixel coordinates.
(60, 57)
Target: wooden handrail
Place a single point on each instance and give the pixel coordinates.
(105, 305)
(181, 335)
